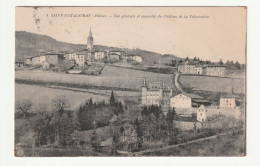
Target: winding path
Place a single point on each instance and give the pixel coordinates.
(176, 81)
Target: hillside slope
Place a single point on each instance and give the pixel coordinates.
(30, 44)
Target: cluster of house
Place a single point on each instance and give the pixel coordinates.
(159, 94)
(193, 67)
(81, 58)
(45, 60)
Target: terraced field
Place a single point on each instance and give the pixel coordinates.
(110, 77)
(215, 84)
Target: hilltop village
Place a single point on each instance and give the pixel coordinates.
(116, 103)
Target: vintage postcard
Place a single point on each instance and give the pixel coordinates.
(130, 81)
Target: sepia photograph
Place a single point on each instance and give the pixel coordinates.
(130, 81)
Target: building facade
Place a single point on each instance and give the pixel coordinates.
(42, 58)
(122, 54)
(202, 114)
(99, 55)
(228, 101)
(193, 67)
(138, 59)
(155, 94)
(36, 60)
(190, 67)
(53, 58)
(28, 61)
(215, 70)
(114, 56)
(188, 100)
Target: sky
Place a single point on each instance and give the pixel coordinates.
(220, 34)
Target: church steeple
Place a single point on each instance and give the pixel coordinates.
(90, 33)
(90, 40)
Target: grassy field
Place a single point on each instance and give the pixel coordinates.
(110, 77)
(215, 84)
(112, 71)
(39, 94)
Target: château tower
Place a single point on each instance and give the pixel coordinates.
(144, 92)
(90, 41)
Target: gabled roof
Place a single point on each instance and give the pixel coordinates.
(114, 54)
(229, 96)
(82, 53)
(215, 66)
(200, 101)
(192, 96)
(189, 63)
(117, 51)
(202, 107)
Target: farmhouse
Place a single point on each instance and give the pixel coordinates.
(42, 58)
(187, 100)
(190, 67)
(121, 54)
(54, 58)
(202, 114)
(114, 56)
(45, 65)
(19, 64)
(100, 55)
(228, 101)
(81, 58)
(28, 61)
(215, 70)
(155, 94)
(36, 60)
(137, 58)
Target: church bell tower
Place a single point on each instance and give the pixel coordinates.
(90, 40)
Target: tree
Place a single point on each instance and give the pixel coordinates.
(115, 131)
(43, 128)
(171, 115)
(42, 107)
(24, 106)
(227, 63)
(112, 98)
(139, 133)
(220, 62)
(195, 59)
(237, 64)
(59, 104)
(94, 141)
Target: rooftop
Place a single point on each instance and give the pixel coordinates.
(229, 96)
(192, 96)
(189, 63)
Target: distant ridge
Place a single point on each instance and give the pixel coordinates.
(30, 44)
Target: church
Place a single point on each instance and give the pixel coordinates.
(81, 58)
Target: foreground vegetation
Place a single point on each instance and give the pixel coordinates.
(98, 128)
(227, 145)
